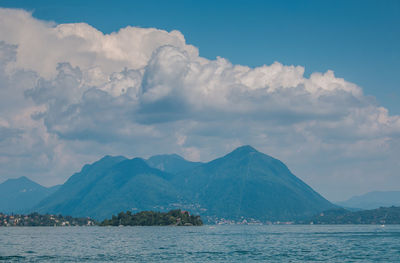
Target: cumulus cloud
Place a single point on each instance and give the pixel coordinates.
(70, 94)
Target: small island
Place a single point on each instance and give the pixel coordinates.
(151, 218)
(36, 219)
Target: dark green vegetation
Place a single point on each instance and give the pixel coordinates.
(35, 219)
(382, 215)
(150, 218)
(18, 195)
(244, 184)
(373, 200)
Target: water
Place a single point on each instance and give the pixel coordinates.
(238, 243)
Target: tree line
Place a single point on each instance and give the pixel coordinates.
(150, 218)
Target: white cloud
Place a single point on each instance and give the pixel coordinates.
(81, 45)
(70, 93)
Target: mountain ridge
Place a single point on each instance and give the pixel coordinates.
(116, 183)
(244, 183)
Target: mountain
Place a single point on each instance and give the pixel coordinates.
(21, 194)
(248, 184)
(171, 163)
(243, 184)
(111, 185)
(373, 200)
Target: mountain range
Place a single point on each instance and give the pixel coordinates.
(373, 200)
(244, 184)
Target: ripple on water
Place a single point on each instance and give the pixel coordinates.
(205, 244)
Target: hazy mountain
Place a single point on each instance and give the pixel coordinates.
(373, 200)
(171, 163)
(21, 194)
(109, 186)
(247, 183)
(244, 183)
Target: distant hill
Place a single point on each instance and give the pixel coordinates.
(109, 186)
(382, 215)
(373, 200)
(243, 184)
(248, 184)
(20, 194)
(171, 163)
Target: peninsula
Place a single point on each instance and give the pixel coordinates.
(341, 216)
(36, 219)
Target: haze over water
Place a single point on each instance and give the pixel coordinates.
(233, 243)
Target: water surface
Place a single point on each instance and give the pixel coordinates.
(234, 243)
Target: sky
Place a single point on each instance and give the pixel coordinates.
(312, 83)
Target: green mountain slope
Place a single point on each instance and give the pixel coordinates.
(249, 184)
(121, 184)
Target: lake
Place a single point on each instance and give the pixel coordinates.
(228, 243)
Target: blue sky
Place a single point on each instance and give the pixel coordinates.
(359, 40)
(312, 83)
